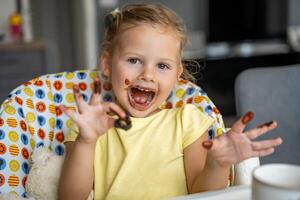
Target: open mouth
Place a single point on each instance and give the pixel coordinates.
(141, 98)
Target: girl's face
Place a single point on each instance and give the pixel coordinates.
(144, 68)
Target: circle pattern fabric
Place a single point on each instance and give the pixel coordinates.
(30, 118)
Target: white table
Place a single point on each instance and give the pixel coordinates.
(242, 192)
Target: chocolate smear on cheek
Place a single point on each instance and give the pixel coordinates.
(127, 83)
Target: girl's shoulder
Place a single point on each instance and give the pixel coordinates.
(192, 116)
(191, 111)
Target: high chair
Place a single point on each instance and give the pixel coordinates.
(273, 93)
(30, 118)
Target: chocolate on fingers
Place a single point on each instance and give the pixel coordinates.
(123, 123)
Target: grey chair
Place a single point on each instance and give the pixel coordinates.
(273, 93)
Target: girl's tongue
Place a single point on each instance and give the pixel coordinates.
(141, 99)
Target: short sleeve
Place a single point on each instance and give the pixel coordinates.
(73, 133)
(194, 123)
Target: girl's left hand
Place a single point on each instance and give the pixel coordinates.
(237, 145)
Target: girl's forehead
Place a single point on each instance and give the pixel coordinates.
(148, 35)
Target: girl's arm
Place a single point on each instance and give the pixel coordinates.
(207, 162)
(202, 173)
(77, 175)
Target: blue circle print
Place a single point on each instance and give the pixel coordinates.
(208, 109)
(20, 112)
(40, 93)
(24, 139)
(190, 91)
(2, 164)
(18, 91)
(2, 134)
(81, 75)
(85, 97)
(59, 124)
(59, 150)
(58, 98)
(40, 144)
(25, 167)
(41, 120)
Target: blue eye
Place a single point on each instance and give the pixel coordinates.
(163, 66)
(134, 60)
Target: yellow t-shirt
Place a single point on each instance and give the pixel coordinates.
(146, 162)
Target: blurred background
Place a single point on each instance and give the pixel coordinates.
(226, 37)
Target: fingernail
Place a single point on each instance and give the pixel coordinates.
(207, 144)
(266, 124)
(97, 86)
(269, 123)
(126, 117)
(75, 88)
(279, 139)
(247, 117)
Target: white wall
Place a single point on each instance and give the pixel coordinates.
(6, 8)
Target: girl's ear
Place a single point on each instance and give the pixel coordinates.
(105, 63)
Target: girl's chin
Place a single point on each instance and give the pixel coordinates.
(140, 110)
(136, 111)
(141, 113)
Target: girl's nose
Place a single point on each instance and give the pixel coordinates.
(148, 74)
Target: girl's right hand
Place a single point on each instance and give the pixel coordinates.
(92, 118)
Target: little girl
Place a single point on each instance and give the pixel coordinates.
(165, 153)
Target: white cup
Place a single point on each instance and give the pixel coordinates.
(276, 182)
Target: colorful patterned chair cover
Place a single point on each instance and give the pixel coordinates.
(30, 118)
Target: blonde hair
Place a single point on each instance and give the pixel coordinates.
(135, 14)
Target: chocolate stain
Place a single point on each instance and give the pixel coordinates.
(247, 117)
(207, 144)
(97, 86)
(123, 123)
(266, 124)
